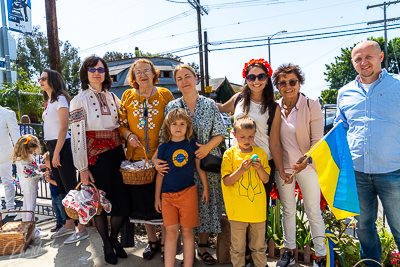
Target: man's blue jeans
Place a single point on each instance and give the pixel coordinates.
(58, 209)
(370, 186)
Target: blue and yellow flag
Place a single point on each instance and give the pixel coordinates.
(336, 173)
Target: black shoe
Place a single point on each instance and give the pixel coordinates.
(321, 263)
(149, 251)
(110, 257)
(119, 250)
(286, 259)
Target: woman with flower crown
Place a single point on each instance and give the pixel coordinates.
(141, 116)
(257, 100)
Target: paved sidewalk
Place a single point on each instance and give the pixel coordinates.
(52, 252)
(48, 252)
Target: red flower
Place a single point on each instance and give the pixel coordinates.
(298, 191)
(274, 192)
(323, 203)
(259, 61)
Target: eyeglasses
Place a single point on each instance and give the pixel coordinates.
(93, 70)
(284, 84)
(145, 72)
(42, 79)
(261, 77)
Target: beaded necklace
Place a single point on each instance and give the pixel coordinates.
(145, 103)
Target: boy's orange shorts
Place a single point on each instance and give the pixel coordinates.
(181, 207)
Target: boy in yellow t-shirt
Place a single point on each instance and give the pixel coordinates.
(244, 170)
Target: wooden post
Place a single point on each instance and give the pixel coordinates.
(52, 36)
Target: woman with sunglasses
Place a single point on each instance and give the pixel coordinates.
(55, 125)
(97, 149)
(142, 114)
(301, 128)
(257, 100)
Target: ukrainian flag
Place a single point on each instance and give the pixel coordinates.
(336, 172)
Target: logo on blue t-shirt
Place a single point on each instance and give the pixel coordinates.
(180, 158)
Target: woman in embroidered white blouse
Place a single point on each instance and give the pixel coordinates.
(97, 149)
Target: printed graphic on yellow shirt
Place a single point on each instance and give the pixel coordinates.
(250, 184)
(180, 158)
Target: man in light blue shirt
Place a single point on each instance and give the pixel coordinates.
(369, 106)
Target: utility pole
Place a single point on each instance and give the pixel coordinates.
(52, 35)
(206, 61)
(5, 51)
(384, 4)
(196, 4)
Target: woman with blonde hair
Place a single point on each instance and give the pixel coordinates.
(141, 115)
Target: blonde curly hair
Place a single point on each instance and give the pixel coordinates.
(23, 145)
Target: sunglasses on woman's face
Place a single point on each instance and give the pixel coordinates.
(93, 70)
(284, 84)
(42, 79)
(261, 77)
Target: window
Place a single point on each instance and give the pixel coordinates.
(166, 74)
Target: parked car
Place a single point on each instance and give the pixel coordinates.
(329, 112)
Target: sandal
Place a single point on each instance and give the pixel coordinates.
(205, 257)
(149, 251)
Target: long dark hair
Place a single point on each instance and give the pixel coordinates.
(268, 96)
(57, 84)
(89, 63)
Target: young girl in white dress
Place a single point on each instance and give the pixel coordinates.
(29, 174)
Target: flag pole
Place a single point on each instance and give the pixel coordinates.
(308, 154)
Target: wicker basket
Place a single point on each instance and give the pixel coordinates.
(73, 214)
(138, 177)
(15, 237)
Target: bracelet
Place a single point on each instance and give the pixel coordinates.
(127, 138)
(310, 161)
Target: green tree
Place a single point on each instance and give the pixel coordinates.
(33, 55)
(113, 56)
(31, 103)
(328, 96)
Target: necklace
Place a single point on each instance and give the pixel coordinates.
(288, 108)
(145, 103)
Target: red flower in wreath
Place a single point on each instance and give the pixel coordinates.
(259, 61)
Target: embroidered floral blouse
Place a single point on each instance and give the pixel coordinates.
(90, 111)
(132, 112)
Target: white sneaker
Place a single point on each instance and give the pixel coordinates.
(63, 231)
(40, 234)
(75, 237)
(13, 214)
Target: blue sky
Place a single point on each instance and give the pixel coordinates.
(92, 25)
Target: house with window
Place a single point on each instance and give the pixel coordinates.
(119, 73)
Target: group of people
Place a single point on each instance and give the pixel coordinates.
(271, 138)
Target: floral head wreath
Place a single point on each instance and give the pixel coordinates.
(259, 61)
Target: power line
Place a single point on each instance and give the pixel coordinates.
(301, 40)
(248, 3)
(146, 29)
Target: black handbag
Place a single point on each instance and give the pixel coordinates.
(211, 163)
